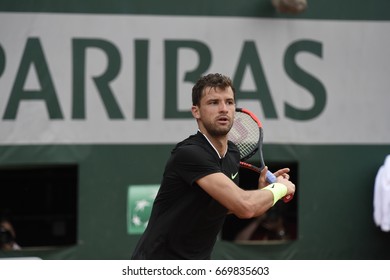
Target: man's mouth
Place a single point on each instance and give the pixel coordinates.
(223, 120)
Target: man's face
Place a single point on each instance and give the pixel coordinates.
(215, 114)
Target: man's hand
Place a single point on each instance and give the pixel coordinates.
(282, 177)
(280, 173)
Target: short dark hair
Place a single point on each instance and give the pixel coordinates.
(210, 80)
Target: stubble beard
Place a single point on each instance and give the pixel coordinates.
(217, 131)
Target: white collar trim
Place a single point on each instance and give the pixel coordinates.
(213, 146)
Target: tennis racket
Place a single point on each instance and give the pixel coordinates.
(247, 134)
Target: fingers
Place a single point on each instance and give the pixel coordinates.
(262, 177)
(290, 185)
(282, 172)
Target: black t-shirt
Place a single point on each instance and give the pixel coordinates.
(185, 220)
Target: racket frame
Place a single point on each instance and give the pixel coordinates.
(270, 177)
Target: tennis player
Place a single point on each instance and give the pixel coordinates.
(200, 182)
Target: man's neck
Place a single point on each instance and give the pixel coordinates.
(219, 144)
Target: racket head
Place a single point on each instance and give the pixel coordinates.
(247, 134)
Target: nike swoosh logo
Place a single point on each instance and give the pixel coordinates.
(234, 175)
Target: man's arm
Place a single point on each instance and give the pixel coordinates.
(242, 203)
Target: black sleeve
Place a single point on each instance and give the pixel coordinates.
(193, 162)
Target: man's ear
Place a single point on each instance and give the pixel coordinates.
(195, 112)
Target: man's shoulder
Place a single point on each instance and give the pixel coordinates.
(195, 140)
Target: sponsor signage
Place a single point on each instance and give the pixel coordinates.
(86, 79)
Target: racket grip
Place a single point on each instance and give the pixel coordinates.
(271, 178)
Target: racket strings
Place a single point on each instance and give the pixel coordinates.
(245, 134)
